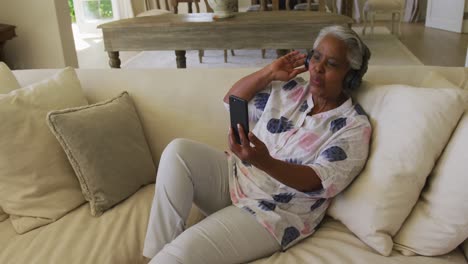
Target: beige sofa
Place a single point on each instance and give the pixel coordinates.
(186, 103)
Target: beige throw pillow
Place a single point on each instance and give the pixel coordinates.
(411, 126)
(107, 149)
(38, 185)
(438, 222)
(8, 83)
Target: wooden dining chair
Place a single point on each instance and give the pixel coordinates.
(261, 5)
(373, 7)
(152, 8)
(315, 5)
(175, 5)
(201, 53)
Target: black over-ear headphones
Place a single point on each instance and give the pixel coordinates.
(353, 78)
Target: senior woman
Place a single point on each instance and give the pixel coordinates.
(271, 191)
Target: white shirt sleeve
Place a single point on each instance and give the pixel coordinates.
(343, 158)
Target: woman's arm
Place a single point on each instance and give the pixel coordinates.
(282, 69)
(299, 177)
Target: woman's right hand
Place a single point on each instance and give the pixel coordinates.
(285, 68)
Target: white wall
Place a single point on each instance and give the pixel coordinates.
(44, 37)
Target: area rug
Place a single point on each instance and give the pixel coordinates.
(386, 49)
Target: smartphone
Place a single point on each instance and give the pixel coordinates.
(239, 111)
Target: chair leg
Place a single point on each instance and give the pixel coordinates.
(232, 53)
(197, 7)
(263, 53)
(200, 55)
(225, 56)
(190, 7)
(399, 23)
(365, 23)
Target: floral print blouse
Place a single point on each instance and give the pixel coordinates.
(334, 144)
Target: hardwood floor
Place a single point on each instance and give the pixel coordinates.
(433, 46)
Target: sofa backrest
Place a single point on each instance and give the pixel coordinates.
(187, 103)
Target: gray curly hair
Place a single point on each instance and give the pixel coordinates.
(358, 54)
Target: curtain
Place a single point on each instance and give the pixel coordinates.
(124, 8)
(411, 10)
(357, 6)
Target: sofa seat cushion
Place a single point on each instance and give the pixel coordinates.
(334, 243)
(115, 237)
(8, 83)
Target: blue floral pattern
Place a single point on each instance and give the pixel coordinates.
(337, 124)
(334, 153)
(246, 208)
(304, 106)
(283, 197)
(261, 100)
(290, 234)
(294, 161)
(279, 125)
(317, 204)
(266, 205)
(290, 85)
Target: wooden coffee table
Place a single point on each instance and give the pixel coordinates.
(7, 32)
(249, 30)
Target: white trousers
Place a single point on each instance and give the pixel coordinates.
(193, 172)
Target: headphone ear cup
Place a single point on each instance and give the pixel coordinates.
(352, 80)
(307, 60)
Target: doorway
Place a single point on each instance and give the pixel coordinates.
(91, 13)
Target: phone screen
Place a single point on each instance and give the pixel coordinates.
(238, 109)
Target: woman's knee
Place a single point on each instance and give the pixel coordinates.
(178, 145)
(177, 149)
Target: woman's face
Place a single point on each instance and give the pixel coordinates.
(328, 67)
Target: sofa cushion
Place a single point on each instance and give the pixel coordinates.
(411, 127)
(439, 221)
(8, 81)
(107, 149)
(95, 240)
(334, 243)
(38, 185)
(77, 238)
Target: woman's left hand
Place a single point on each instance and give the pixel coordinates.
(257, 155)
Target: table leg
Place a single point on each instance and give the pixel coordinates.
(180, 59)
(114, 60)
(190, 10)
(2, 43)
